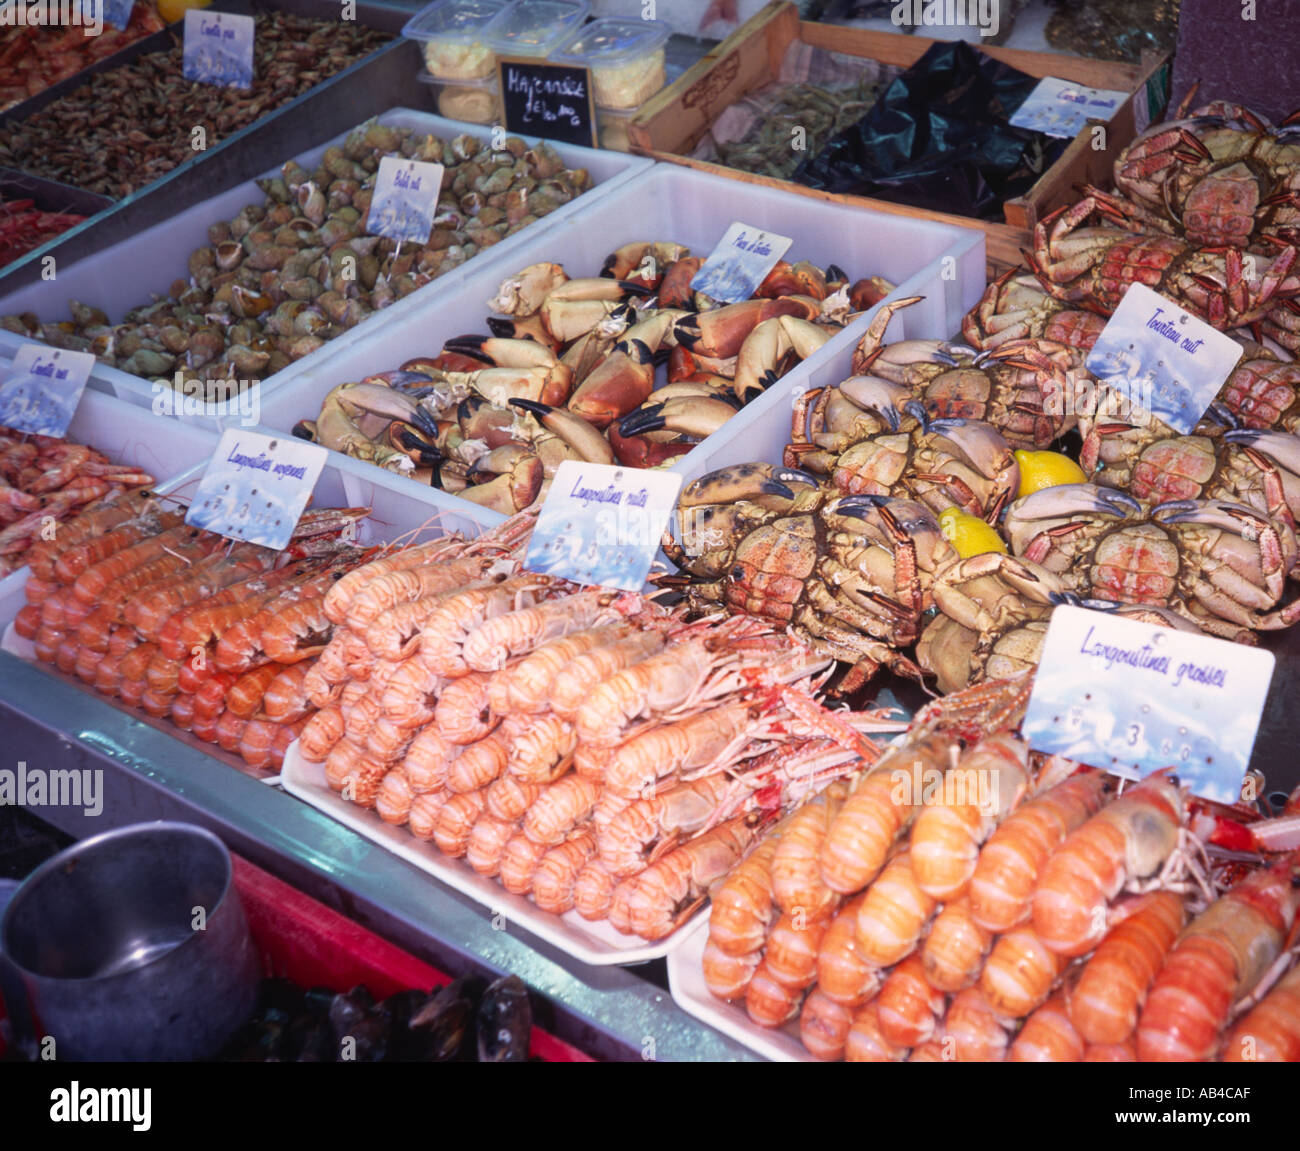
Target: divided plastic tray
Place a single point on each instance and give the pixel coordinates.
(128, 274)
(944, 264)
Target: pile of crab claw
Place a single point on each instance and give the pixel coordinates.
(843, 543)
(570, 372)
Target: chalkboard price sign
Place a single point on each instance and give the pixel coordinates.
(550, 100)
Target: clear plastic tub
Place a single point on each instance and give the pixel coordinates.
(452, 35)
(535, 27)
(626, 58)
(473, 101)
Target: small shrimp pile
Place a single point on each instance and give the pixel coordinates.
(588, 748)
(184, 624)
(957, 905)
(44, 481)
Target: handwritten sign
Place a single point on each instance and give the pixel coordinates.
(1162, 359)
(218, 48)
(41, 391)
(256, 487)
(1058, 108)
(740, 262)
(551, 100)
(1134, 698)
(405, 199)
(602, 524)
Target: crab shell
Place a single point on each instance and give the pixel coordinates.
(1015, 307)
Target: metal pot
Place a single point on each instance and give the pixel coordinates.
(133, 945)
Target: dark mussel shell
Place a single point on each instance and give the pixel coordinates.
(439, 1029)
(505, 1022)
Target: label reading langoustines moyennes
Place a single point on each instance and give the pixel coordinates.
(405, 199)
(40, 392)
(602, 524)
(740, 262)
(256, 487)
(218, 48)
(1162, 359)
(1133, 698)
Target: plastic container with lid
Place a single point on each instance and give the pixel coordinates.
(453, 37)
(626, 58)
(536, 27)
(474, 101)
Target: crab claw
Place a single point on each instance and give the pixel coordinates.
(504, 353)
(721, 332)
(513, 490)
(1236, 518)
(691, 416)
(523, 293)
(624, 380)
(744, 482)
(1281, 447)
(580, 435)
(872, 394)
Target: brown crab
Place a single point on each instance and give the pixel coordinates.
(1222, 565)
(1094, 266)
(849, 574)
(1015, 307)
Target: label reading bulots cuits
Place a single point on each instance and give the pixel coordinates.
(1133, 698)
(42, 389)
(405, 199)
(256, 487)
(602, 524)
(218, 48)
(740, 262)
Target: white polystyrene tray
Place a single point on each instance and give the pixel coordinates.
(597, 944)
(126, 435)
(128, 274)
(943, 263)
(692, 995)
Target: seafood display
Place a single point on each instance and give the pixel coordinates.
(24, 226)
(1016, 909)
(571, 373)
(214, 636)
(45, 482)
(288, 274)
(587, 748)
(95, 136)
(461, 1022)
(33, 57)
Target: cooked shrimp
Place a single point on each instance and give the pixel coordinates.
(462, 713)
(284, 699)
(769, 1002)
(824, 1026)
(582, 674)
(908, 1007)
(646, 828)
(866, 1043)
(796, 868)
(975, 1030)
(1270, 1031)
(593, 890)
(742, 905)
(411, 694)
(323, 731)
(1020, 972)
(528, 683)
(427, 760)
(456, 820)
(1048, 1036)
(521, 632)
(842, 972)
(792, 948)
(894, 913)
(542, 747)
(510, 798)
(409, 585)
(480, 763)
(519, 863)
(555, 883)
(393, 803)
(338, 599)
(727, 976)
(954, 950)
(422, 816)
(444, 633)
(487, 844)
(560, 808)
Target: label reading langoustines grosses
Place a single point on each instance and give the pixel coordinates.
(256, 487)
(405, 199)
(218, 48)
(1162, 359)
(740, 262)
(602, 524)
(41, 390)
(1133, 698)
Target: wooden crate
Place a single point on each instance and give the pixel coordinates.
(671, 124)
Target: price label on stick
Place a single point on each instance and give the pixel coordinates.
(740, 262)
(1133, 698)
(539, 98)
(1161, 359)
(256, 487)
(405, 199)
(218, 48)
(602, 524)
(42, 389)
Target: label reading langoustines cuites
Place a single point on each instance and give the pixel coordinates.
(740, 262)
(405, 199)
(1133, 698)
(218, 48)
(41, 390)
(602, 524)
(1162, 359)
(256, 487)
(1058, 108)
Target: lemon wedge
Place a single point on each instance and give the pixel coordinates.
(969, 535)
(1040, 470)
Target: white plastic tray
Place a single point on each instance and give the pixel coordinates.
(128, 274)
(596, 944)
(945, 264)
(692, 995)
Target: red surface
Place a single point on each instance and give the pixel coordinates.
(305, 941)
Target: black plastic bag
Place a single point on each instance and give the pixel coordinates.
(939, 139)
